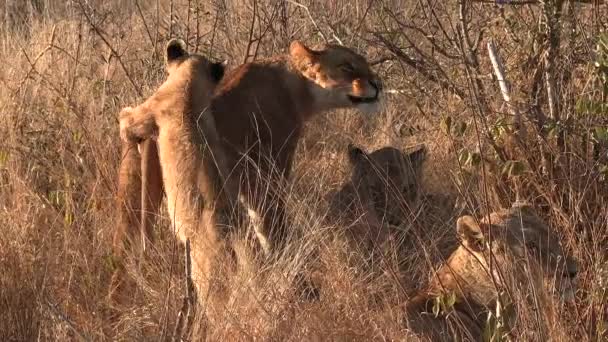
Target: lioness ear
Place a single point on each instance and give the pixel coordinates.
(176, 48)
(355, 154)
(417, 157)
(300, 54)
(470, 233)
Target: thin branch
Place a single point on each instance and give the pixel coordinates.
(420, 66)
(312, 20)
(143, 20)
(114, 52)
(54, 309)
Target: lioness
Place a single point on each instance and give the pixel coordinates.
(384, 184)
(190, 155)
(509, 250)
(259, 110)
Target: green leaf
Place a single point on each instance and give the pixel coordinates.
(600, 134)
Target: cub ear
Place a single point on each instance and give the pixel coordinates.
(418, 156)
(217, 71)
(470, 233)
(355, 154)
(301, 55)
(176, 48)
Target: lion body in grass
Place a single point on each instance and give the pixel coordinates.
(259, 110)
(524, 254)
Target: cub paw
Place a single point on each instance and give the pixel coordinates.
(126, 122)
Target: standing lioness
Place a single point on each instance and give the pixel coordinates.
(259, 110)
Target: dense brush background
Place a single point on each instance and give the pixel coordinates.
(68, 67)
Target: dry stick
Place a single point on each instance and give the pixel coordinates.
(312, 20)
(141, 15)
(171, 19)
(63, 317)
(505, 90)
(188, 25)
(251, 40)
(114, 52)
(33, 62)
(157, 24)
(505, 87)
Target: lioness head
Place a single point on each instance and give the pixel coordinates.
(522, 246)
(392, 177)
(344, 76)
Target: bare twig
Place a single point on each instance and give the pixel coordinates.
(312, 20)
(35, 60)
(503, 83)
(143, 20)
(112, 49)
(420, 66)
(251, 27)
(54, 309)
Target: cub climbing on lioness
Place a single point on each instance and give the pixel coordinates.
(260, 109)
(191, 158)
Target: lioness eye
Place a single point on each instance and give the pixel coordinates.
(347, 67)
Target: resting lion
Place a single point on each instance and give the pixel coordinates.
(522, 254)
(190, 155)
(259, 110)
(384, 184)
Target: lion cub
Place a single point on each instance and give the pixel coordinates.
(191, 158)
(383, 189)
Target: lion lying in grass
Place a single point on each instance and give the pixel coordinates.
(509, 250)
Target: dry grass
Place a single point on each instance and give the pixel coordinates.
(65, 76)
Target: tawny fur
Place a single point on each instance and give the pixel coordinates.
(190, 157)
(383, 189)
(520, 240)
(259, 111)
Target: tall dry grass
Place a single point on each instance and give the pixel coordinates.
(68, 68)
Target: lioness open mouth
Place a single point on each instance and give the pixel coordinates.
(357, 100)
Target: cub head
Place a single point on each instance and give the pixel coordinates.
(343, 77)
(522, 247)
(392, 177)
(180, 63)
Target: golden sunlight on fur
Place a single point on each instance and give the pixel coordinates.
(260, 108)
(510, 249)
